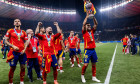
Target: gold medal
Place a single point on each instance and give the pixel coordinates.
(49, 43)
(18, 38)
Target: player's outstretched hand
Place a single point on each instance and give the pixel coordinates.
(56, 23)
(39, 23)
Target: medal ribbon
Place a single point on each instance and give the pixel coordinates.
(33, 45)
(71, 39)
(90, 35)
(19, 35)
(49, 40)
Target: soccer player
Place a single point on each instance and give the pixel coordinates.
(49, 59)
(124, 41)
(42, 31)
(79, 50)
(17, 38)
(6, 48)
(2, 48)
(73, 47)
(59, 49)
(89, 46)
(32, 55)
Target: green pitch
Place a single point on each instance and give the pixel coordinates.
(126, 68)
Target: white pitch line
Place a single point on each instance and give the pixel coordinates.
(110, 68)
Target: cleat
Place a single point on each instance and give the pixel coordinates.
(70, 62)
(61, 71)
(72, 65)
(79, 65)
(21, 82)
(95, 79)
(10, 83)
(83, 79)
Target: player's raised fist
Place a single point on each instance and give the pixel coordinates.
(40, 23)
(56, 23)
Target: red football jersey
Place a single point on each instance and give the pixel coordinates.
(124, 40)
(78, 43)
(29, 51)
(58, 45)
(48, 47)
(72, 41)
(13, 38)
(89, 42)
(66, 42)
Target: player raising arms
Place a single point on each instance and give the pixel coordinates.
(89, 46)
(79, 50)
(49, 59)
(60, 47)
(72, 45)
(16, 38)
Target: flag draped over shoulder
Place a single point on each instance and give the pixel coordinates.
(92, 8)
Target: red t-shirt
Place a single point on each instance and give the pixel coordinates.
(58, 45)
(46, 46)
(124, 40)
(89, 42)
(13, 38)
(72, 41)
(78, 43)
(29, 51)
(66, 41)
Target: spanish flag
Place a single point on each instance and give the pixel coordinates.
(92, 8)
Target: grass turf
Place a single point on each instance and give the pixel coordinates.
(125, 70)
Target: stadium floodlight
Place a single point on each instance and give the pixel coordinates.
(116, 5)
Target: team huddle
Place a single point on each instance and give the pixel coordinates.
(45, 50)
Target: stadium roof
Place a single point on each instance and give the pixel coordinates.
(127, 10)
(14, 9)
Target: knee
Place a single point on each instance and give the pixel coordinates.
(22, 66)
(86, 64)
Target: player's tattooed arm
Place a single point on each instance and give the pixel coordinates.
(37, 28)
(9, 44)
(62, 43)
(57, 26)
(26, 44)
(85, 21)
(95, 23)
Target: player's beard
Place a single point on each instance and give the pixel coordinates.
(88, 30)
(17, 26)
(50, 33)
